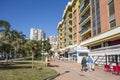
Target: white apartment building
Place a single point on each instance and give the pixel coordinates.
(53, 42)
(37, 34)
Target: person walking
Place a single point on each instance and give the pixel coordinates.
(47, 59)
(90, 62)
(83, 63)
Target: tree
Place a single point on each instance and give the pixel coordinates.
(38, 49)
(46, 45)
(23, 49)
(32, 44)
(5, 38)
(51, 52)
(17, 38)
(5, 25)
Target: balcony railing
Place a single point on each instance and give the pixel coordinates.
(85, 17)
(85, 29)
(85, 5)
(80, 1)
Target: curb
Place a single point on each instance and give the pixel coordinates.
(52, 77)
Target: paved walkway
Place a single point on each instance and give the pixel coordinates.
(72, 71)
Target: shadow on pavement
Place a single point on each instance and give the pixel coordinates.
(50, 65)
(64, 73)
(57, 75)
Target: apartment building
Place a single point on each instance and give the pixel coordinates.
(65, 28)
(37, 34)
(104, 42)
(53, 41)
(66, 35)
(95, 25)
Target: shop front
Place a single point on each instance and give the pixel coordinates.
(76, 54)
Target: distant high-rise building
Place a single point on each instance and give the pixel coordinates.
(53, 39)
(37, 34)
(53, 42)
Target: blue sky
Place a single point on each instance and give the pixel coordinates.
(39, 14)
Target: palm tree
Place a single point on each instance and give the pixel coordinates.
(46, 46)
(5, 40)
(38, 49)
(5, 25)
(23, 49)
(17, 38)
(32, 44)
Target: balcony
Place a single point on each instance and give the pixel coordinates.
(60, 34)
(81, 1)
(70, 15)
(69, 32)
(70, 36)
(85, 10)
(70, 21)
(85, 18)
(85, 29)
(60, 30)
(86, 5)
(60, 39)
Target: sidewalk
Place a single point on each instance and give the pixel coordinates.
(72, 71)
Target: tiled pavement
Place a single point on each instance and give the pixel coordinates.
(72, 71)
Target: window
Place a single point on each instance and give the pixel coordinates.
(74, 5)
(119, 59)
(81, 7)
(74, 28)
(111, 13)
(99, 29)
(109, 1)
(98, 17)
(82, 53)
(74, 13)
(96, 46)
(112, 24)
(75, 36)
(112, 58)
(111, 10)
(94, 30)
(96, 23)
(74, 20)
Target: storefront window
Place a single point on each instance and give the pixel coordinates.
(114, 58)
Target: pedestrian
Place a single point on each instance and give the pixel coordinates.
(47, 60)
(83, 63)
(90, 62)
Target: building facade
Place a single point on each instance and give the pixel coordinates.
(95, 25)
(53, 41)
(37, 34)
